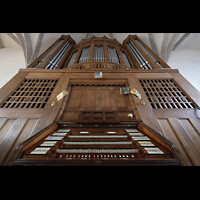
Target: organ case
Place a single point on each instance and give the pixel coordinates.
(95, 123)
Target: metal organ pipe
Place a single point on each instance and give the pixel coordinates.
(58, 57)
(146, 51)
(49, 53)
(84, 55)
(98, 53)
(94, 57)
(126, 61)
(113, 55)
(139, 57)
(103, 59)
(72, 59)
(136, 55)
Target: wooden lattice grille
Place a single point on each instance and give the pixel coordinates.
(31, 93)
(164, 93)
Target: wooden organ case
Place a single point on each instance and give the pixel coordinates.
(99, 102)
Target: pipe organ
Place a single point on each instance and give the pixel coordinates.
(105, 103)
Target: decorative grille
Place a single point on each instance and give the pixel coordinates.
(164, 93)
(32, 93)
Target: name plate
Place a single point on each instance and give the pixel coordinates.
(61, 95)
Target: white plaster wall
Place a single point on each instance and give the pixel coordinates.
(11, 60)
(188, 63)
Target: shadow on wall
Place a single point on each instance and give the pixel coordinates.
(11, 60)
(187, 61)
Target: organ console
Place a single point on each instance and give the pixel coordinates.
(132, 144)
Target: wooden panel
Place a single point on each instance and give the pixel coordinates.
(122, 101)
(2, 121)
(10, 137)
(75, 98)
(145, 111)
(22, 136)
(95, 98)
(6, 128)
(183, 133)
(105, 99)
(91, 98)
(192, 133)
(12, 133)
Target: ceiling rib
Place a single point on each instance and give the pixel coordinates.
(153, 43)
(163, 53)
(180, 40)
(22, 43)
(171, 45)
(37, 47)
(14, 38)
(29, 49)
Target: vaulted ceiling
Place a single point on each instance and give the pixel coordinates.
(33, 44)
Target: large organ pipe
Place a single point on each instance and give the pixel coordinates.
(58, 57)
(148, 66)
(49, 53)
(136, 55)
(139, 57)
(146, 51)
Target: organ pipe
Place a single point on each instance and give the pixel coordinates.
(49, 53)
(54, 62)
(72, 59)
(147, 52)
(139, 57)
(113, 55)
(98, 53)
(126, 61)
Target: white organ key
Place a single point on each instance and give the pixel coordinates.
(40, 150)
(97, 143)
(97, 136)
(97, 151)
(153, 150)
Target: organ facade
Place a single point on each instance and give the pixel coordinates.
(99, 102)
